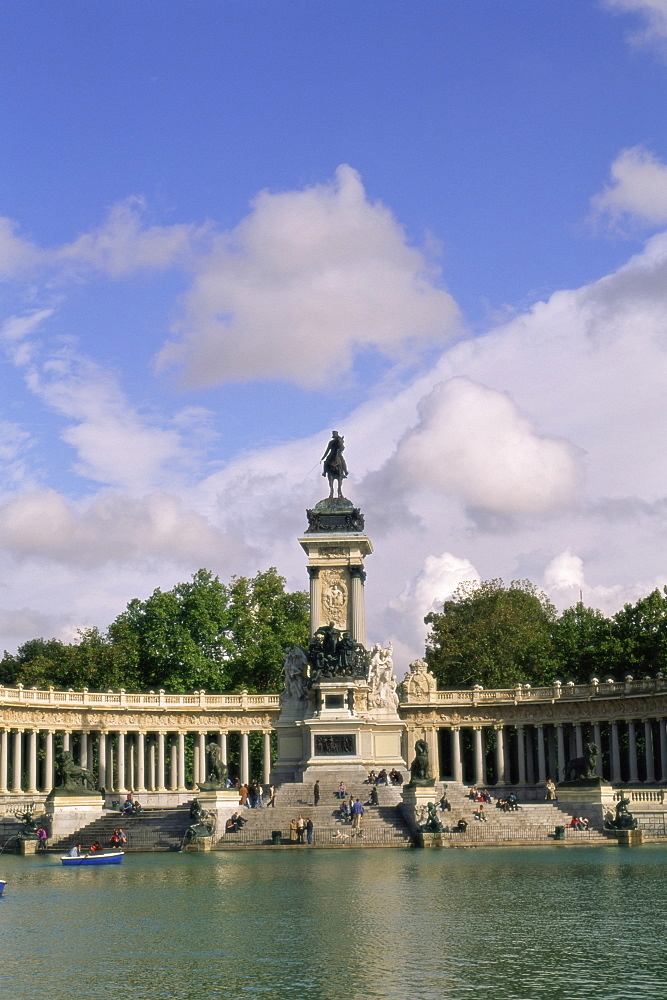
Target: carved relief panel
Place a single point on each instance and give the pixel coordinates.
(334, 597)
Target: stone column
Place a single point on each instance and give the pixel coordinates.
(201, 744)
(67, 741)
(160, 762)
(47, 773)
(457, 763)
(551, 745)
(314, 574)
(266, 769)
(173, 766)
(530, 756)
(32, 762)
(500, 755)
(521, 753)
(17, 763)
(358, 616)
(480, 776)
(245, 758)
(579, 739)
(632, 752)
(102, 760)
(615, 755)
(648, 750)
(663, 751)
(83, 749)
(597, 739)
(4, 760)
(132, 762)
(120, 784)
(541, 759)
(140, 740)
(222, 745)
(152, 783)
(560, 741)
(181, 762)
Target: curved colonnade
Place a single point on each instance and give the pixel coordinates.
(155, 743)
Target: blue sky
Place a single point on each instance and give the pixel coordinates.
(227, 227)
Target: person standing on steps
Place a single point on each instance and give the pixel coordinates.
(316, 792)
(272, 797)
(357, 813)
(300, 828)
(309, 830)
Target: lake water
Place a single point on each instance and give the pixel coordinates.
(526, 924)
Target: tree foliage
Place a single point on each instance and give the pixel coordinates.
(492, 635)
(202, 634)
(499, 636)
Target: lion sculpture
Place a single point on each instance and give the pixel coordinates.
(419, 768)
(582, 768)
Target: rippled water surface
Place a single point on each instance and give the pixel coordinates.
(527, 924)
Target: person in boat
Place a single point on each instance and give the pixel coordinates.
(94, 848)
(74, 851)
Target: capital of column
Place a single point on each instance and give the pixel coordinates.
(358, 572)
(313, 572)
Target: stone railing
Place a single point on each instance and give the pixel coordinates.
(198, 700)
(654, 796)
(557, 692)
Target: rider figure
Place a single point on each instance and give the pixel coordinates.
(335, 466)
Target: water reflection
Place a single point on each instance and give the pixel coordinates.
(331, 925)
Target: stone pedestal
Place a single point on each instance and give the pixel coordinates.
(630, 838)
(69, 813)
(200, 843)
(27, 847)
(413, 809)
(222, 803)
(593, 799)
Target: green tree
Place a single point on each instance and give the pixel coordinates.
(492, 635)
(203, 634)
(640, 632)
(584, 645)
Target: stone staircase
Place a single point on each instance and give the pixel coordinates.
(151, 830)
(534, 822)
(381, 825)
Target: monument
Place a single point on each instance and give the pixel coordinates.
(339, 707)
(71, 804)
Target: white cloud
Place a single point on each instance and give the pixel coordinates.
(654, 16)
(16, 254)
(564, 572)
(124, 244)
(472, 440)
(112, 529)
(306, 280)
(637, 192)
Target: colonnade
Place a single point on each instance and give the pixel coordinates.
(632, 750)
(121, 760)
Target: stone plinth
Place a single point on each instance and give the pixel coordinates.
(28, 847)
(593, 799)
(630, 838)
(199, 843)
(69, 813)
(415, 800)
(222, 803)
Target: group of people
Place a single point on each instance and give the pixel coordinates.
(118, 838)
(299, 828)
(509, 803)
(251, 796)
(579, 823)
(352, 813)
(477, 795)
(234, 823)
(131, 806)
